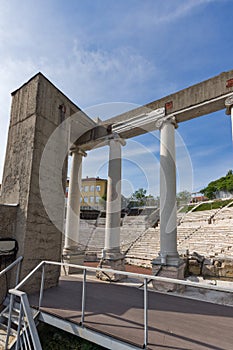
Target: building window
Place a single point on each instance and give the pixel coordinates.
(85, 199)
(86, 188)
(92, 188)
(98, 188)
(97, 199)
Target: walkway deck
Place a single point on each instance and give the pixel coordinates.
(175, 323)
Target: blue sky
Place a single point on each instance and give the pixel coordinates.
(99, 52)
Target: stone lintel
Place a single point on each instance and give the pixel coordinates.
(203, 98)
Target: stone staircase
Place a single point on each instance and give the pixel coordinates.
(145, 248)
(195, 219)
(92, 237)
(207, 232)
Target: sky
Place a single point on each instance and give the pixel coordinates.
(109, 56)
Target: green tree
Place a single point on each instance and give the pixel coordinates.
(224, 183)
(183, 197)
(139, 197)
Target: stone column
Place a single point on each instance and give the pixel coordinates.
(229, 111)
(72, 251)
(111, 255)
(168, 261)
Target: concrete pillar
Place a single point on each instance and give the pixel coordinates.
(111, 255)
(72, 252)
(168, 260)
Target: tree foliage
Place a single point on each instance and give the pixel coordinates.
(183, 197)
(139, 197)
(224, 183)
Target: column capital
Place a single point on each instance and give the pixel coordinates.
(115, 137)
(169, 119)
(75, 149)
(229, 104)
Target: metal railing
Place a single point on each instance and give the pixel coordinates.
(146, 279)
(17, 263)
(10, 267)
(27, 336)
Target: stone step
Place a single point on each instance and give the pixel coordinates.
(3, 333)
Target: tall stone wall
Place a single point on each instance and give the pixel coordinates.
(7, 230)
(35, 114)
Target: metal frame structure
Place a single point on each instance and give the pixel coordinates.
(10, 267)
(85, 269)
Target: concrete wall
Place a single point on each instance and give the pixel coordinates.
(35, 114)
(7, 230)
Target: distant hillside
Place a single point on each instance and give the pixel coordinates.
(225, 183)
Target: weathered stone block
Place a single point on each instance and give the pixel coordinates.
(176, 272)
(226, 270)
(194, 267)
(114, 263)
(209, 270)
(73, 255)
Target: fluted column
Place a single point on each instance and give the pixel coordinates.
(111, 255)
(113, 205)
(168, 210)
(72, 252)
(74, 195)
(168, 263)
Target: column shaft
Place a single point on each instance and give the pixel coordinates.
(73, 205)
(168, 211)
(113, 208)
(232, 122)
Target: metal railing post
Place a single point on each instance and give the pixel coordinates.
(145, 314)
(42, 285)
(18, 272)
(9, 321)
(19, 327)
(31, 323)
(83, 295)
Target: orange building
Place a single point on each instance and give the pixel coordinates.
(93, 193)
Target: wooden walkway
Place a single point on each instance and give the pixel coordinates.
(175, 323)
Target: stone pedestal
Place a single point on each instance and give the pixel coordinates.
(73, 255)
(176, 272)
(114, 261)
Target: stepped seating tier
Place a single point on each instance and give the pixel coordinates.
(196, 233)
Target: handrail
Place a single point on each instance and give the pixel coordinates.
(146, 279)
(9, 267)
(142, 276)
(124, 273)
(25, 310)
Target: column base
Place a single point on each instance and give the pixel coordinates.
(111, 260)
(73, 255)
(176, 271)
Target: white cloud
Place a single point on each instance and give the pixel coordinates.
(90, 65)
(179, 10)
